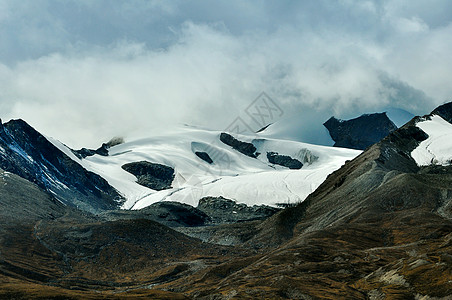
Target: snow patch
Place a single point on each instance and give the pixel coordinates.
(437, 148)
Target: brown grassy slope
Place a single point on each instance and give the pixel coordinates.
(47, 250)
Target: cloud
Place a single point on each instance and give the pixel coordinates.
(93, 71)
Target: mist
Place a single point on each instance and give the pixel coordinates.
(85, 71)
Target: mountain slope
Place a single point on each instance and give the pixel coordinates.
(381, 226)
(27, 153)
(52, 251)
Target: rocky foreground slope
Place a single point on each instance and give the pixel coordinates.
(380, 227)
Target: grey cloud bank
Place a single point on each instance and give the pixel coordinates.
(84, 71)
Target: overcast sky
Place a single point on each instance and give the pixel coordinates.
(84, 71)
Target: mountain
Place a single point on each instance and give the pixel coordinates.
(361, 132)
(187, 164)
(184, 165)
(378, 227)
(27, 153)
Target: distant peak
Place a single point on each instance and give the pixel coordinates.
(444, 111)
(361, 132)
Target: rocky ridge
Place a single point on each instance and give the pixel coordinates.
(361, 132)
(27, 153)
(243, 147)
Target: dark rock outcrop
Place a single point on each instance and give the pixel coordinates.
(173, 214)
(444, 111)
(27, 153)
(284, 160)
(168, 213)
(361, 132)
(204, 156)
(154, 176)
(243, 147)
(222, 210)
(102, 150)
(84, 152)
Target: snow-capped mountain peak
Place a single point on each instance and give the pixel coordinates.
(233, 175)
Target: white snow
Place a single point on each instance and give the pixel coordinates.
(232, 175)
(437, 149)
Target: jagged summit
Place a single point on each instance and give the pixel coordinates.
(27, 153)
(444, 111)
(361, 132)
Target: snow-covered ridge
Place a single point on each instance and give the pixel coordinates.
(437, 148)
(232, 175)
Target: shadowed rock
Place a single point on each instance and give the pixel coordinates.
(154, 176)
(204, 156)
(222, 210)
(102, 150)
(444, 111)
(243, 147)
(284, 160)
(168, 213)
(30, 155)
(361, 132)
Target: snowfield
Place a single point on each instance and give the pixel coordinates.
(232, 174)
(437, 149)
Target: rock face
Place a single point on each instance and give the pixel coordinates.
(84, 152)
(27, 153)
(210, 211)
(361, 132)
(102, 150)
(154, 176)
(243, 147)
(168, 213)
(444, 111)
(284, 160)
(173, 214)
(222, 210)
(204, 156)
